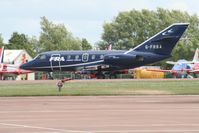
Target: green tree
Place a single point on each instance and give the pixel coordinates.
(34, 45)
(102, 45)
(131, 28)
(56, 37)
(17, 41)
(20, 41)
(86, 45)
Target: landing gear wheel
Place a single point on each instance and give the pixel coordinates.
(112, 76)
(99, 74)
(50, 75)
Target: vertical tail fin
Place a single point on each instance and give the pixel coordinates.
(23, 59)
(164, 41)
(196, 56)
(1, 54)
(109, 47)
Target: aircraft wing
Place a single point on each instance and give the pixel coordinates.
(195, 71)
(189, 62)
(171, 62)
(157, 70)
(171, 71)
(95, 67)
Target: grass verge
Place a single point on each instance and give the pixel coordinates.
(100, 87)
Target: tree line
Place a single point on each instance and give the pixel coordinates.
(52, 37)
(127, 30)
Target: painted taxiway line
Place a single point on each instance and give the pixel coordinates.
(114, 125)
(107, 110)
(104, 131)
(44, 128)
(149, 131)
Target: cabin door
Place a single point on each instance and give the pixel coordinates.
(85, 57)
(55, 62)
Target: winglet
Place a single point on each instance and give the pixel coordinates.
(110, 47)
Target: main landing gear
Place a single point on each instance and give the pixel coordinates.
(112, 76)
(100, 76)
(61, 83)
(106, 75)
(50, 75)
(103, 75)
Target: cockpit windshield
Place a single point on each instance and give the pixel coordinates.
(40, 57)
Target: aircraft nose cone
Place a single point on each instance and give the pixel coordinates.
(24, 66)
(27, 66)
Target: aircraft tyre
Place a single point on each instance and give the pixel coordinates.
(100, 76)
(50, 76)
(112, 76)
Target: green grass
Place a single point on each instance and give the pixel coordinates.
(87, 88)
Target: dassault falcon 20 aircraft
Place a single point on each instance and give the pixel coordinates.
(156, 48)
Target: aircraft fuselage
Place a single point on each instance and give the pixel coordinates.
(78, 60)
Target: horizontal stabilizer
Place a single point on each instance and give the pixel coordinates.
(171, 62)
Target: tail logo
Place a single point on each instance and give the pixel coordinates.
(167, 32)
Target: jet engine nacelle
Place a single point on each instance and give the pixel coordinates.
(120, 59)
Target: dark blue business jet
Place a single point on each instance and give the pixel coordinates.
(154, 49)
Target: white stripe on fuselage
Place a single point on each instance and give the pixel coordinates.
(73, 65)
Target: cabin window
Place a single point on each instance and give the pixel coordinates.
(68, 57)
(101, 56)
(43, 57)
(93, 57)
(76, 57)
